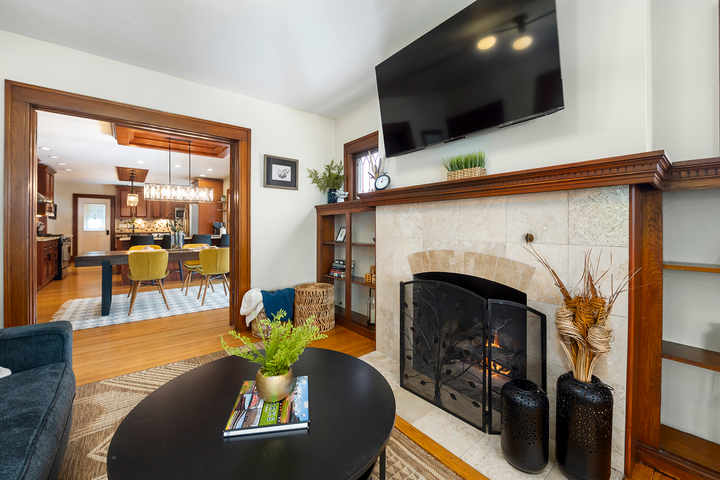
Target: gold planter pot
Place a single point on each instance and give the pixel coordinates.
(273, 389)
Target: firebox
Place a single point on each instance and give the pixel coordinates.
(462, 338)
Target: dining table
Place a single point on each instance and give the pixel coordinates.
(107, 260)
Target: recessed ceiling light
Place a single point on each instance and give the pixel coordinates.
(140, 162)
(202, 174)
(177, 166)
(61, 163)
(209, 169)
(46, 149)
(68, 169)
(54, 156)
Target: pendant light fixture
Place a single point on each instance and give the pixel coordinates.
(178, 193)
(132, 198)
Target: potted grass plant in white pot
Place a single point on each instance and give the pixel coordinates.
(466, 165)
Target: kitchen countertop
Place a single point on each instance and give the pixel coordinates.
(48, 239)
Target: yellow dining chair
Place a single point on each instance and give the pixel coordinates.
(144, 267)
(214, 262)
(192, 266)
(135, 248)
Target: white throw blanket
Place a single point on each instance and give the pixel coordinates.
(252, 304)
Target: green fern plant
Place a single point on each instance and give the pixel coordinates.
(282, 347)
(466, 160)
(331, 178)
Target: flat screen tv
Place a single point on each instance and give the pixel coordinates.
(494, 64)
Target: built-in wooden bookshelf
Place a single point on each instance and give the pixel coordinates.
(329, 219)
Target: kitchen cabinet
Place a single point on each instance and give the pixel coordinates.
(47, 262)
(141, 211)
(46, 186)
(208, 213)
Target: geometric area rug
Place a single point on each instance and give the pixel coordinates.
(85, 312)
(100, 407)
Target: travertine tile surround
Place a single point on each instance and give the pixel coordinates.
(564, 224)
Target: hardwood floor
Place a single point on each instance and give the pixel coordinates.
(100, 353)
(105, 352)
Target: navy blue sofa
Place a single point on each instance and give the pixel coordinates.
(36, 400)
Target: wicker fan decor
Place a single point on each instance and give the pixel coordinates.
(582, 323)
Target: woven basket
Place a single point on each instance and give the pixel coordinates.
(316, 299)
(466, 173)
(255, 329)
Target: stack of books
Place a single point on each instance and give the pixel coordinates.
(338, 268)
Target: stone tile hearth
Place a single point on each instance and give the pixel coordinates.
(485, 237)
(479, 450)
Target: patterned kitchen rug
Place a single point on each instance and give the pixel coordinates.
(100, 407)
(85, 312)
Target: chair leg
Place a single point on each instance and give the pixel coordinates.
(189, 279)
(182, 275)
(211, 286)
(206, 282)
(162, 290)
(222, 277)
(202, 282)
(186, 281)
(131, 287)
(135, 288)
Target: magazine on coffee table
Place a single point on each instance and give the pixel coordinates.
(252, 415)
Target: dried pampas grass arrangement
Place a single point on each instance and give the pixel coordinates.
(582, 323)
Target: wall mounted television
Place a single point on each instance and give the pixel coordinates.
(494, 64)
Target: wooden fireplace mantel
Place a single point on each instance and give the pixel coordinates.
(648, 168)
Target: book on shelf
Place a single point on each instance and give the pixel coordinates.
(251, 415)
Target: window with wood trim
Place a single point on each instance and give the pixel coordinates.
(359, 156)
(367, 168)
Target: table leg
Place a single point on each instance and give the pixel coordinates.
(106, 288)
(382, 465)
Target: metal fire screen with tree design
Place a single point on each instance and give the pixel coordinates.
(457, 349)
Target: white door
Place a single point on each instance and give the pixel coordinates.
(95, 228)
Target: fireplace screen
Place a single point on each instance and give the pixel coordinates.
(458, 349)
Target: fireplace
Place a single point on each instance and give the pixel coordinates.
(462, 338)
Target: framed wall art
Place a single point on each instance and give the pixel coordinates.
(280, 172)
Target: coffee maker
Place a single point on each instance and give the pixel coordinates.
(216, 228)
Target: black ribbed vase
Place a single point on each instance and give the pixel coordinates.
(583, 437)
(525, 430)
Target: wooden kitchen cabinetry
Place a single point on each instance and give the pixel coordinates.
(208, 213)
(162, 209)
(47, 262)
(124, 212)
(46, 186)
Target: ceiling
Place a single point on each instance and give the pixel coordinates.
(88, 148)
(314, 55)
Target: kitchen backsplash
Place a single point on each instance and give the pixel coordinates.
(149, 226)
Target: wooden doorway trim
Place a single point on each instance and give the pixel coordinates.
(22, 101)
(78, 196)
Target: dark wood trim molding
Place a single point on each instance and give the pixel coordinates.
(21, 104)
(641, 168)
(694, 175)
(358, 145)
(645, 310)
(673, 465)
(75, 222)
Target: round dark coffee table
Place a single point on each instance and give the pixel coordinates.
(177, 431)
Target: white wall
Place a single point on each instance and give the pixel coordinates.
(283, 221)
(64, 204)
(685, 78)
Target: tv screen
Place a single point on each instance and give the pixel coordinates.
(495, 63)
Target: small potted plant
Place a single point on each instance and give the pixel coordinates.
(330, 180)
(283, 346)
(467, 165)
